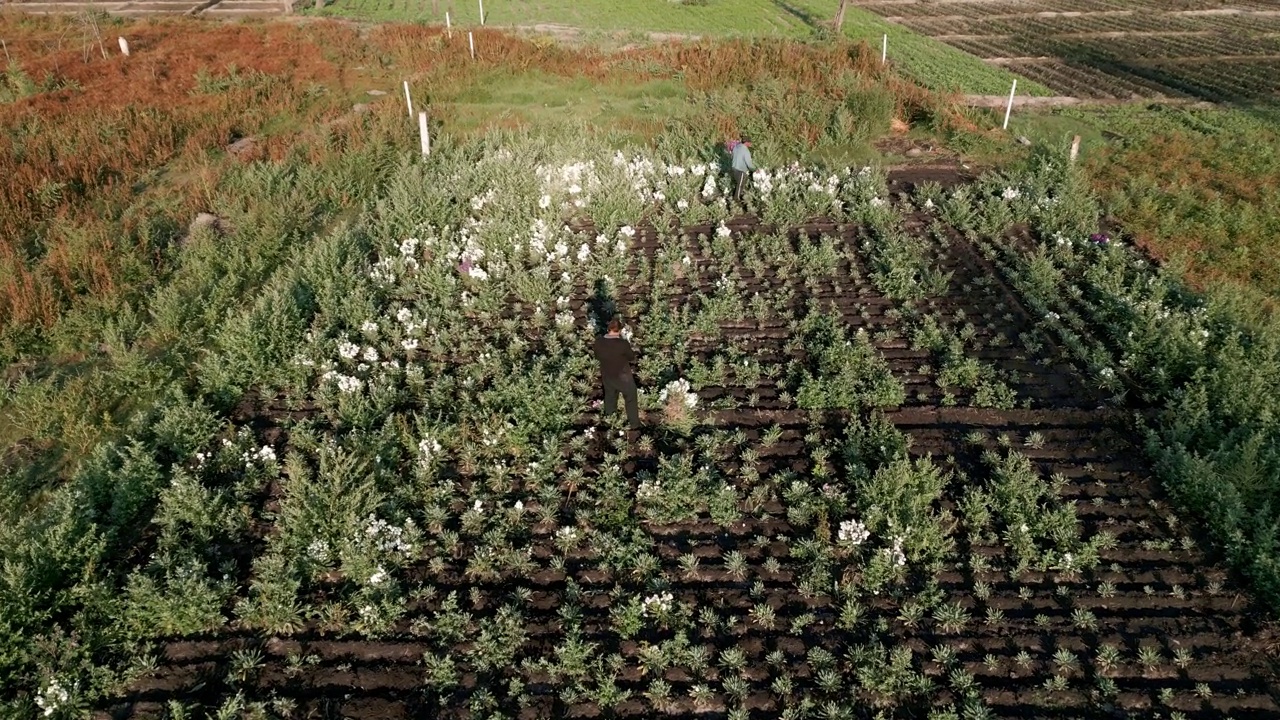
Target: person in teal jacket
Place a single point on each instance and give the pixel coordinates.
(742, 166)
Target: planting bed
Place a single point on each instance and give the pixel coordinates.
(888, 488)
(1105, 49)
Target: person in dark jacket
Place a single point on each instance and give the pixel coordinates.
(615, 356)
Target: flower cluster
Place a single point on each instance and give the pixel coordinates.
(679, 390)
(53, 698)
(263, 455)
(388, 269)
(852, 531)
(388, 538)
(895, 553)
(657, 604)
(427, 449)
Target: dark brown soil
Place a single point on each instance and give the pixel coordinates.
(1161, 594)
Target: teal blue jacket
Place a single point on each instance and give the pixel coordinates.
(742, 158)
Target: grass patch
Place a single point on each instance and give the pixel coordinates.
(934, 64)
(1197, 188)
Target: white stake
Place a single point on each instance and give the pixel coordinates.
(408, 100)
(6, 51)
(425, 133)
(481, 12)
(124, 47)
(884, 48)
(472, 42)
(448, 26)
(1075, 148)
(1009, 109)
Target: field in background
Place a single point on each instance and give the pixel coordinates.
(1196, 49)
(930, 63)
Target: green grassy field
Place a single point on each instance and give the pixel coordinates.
(932, 63)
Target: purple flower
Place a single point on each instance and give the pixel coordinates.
(1100, 238)
(464, 267)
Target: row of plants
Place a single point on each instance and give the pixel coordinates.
(1208, 362)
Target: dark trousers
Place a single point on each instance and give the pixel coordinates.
(627, 386)
(740, 180)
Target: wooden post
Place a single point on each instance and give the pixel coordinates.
(884, 48)
(124, 47)
(408, 100)
(472, 41)
(425, 133)
(448, 26)
(481, 12)
(1009, 108)
(1075, 149)
(7, 59)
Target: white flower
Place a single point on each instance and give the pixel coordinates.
(53, 697)
(626, 334)
(371, 354)
(896, 555)
(584, 252)
(348, 350)
(567, 533)
(877, 202)
(318, 550)
(723, 230)
(564, 319)
(410, 344)
(1052, 316)
(544, 202)
(679, 389)
(627, 231)
(1011, 193)
(562, 302)
(265, 454)
(409, 246)
(854, 532)
(575, 189)
(379, 577)
(928, 204)
(1024, 528)
(369, 327)
(427, 448)
(478, 507)
(404, 315)
(655, 604)
(686, 261)
(682, 204)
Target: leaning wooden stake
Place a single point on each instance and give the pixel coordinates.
(481, 12)
(884, 48)
(7, 59)
(1075, 148)
(425, 133)
(1008, 109)
(448, 26)
(124, 47)
(408, 100)
(472, 41)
